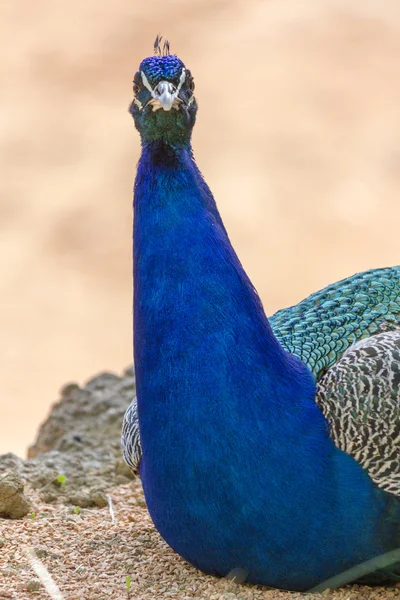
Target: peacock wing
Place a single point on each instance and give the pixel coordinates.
(323, 326)
(360, 397)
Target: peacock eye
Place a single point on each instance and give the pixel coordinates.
(137, 83)
(191, 85)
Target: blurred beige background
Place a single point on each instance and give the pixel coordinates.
(298, 135)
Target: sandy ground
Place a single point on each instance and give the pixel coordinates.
(298, 136)
(90, 554)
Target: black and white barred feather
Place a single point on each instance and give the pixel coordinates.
(360, 397)
(130, 439)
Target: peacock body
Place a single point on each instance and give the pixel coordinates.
(270, 446)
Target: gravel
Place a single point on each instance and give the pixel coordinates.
(70, 463)
(89, 557)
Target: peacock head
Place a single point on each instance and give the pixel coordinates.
(164, 107)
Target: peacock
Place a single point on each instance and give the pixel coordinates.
(269, 447)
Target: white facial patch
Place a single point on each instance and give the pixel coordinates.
(155, 102)
(146, 83)
(181, 81)
(152, 92)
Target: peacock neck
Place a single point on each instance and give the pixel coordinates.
(198, 322)
(162, 164)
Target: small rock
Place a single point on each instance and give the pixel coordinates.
(48, 497)
(33, 585)
(121, 480)
(99, 498)
(41, 552)
(81, 499)
(13, 504)
(238, 575)
(121, 468)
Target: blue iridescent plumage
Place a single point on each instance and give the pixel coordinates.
(239, 466)
(158, 68)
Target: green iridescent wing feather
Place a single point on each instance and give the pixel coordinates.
(321, 328)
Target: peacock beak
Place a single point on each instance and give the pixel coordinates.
(166, 94)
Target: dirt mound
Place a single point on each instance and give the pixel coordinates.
(76, 455)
